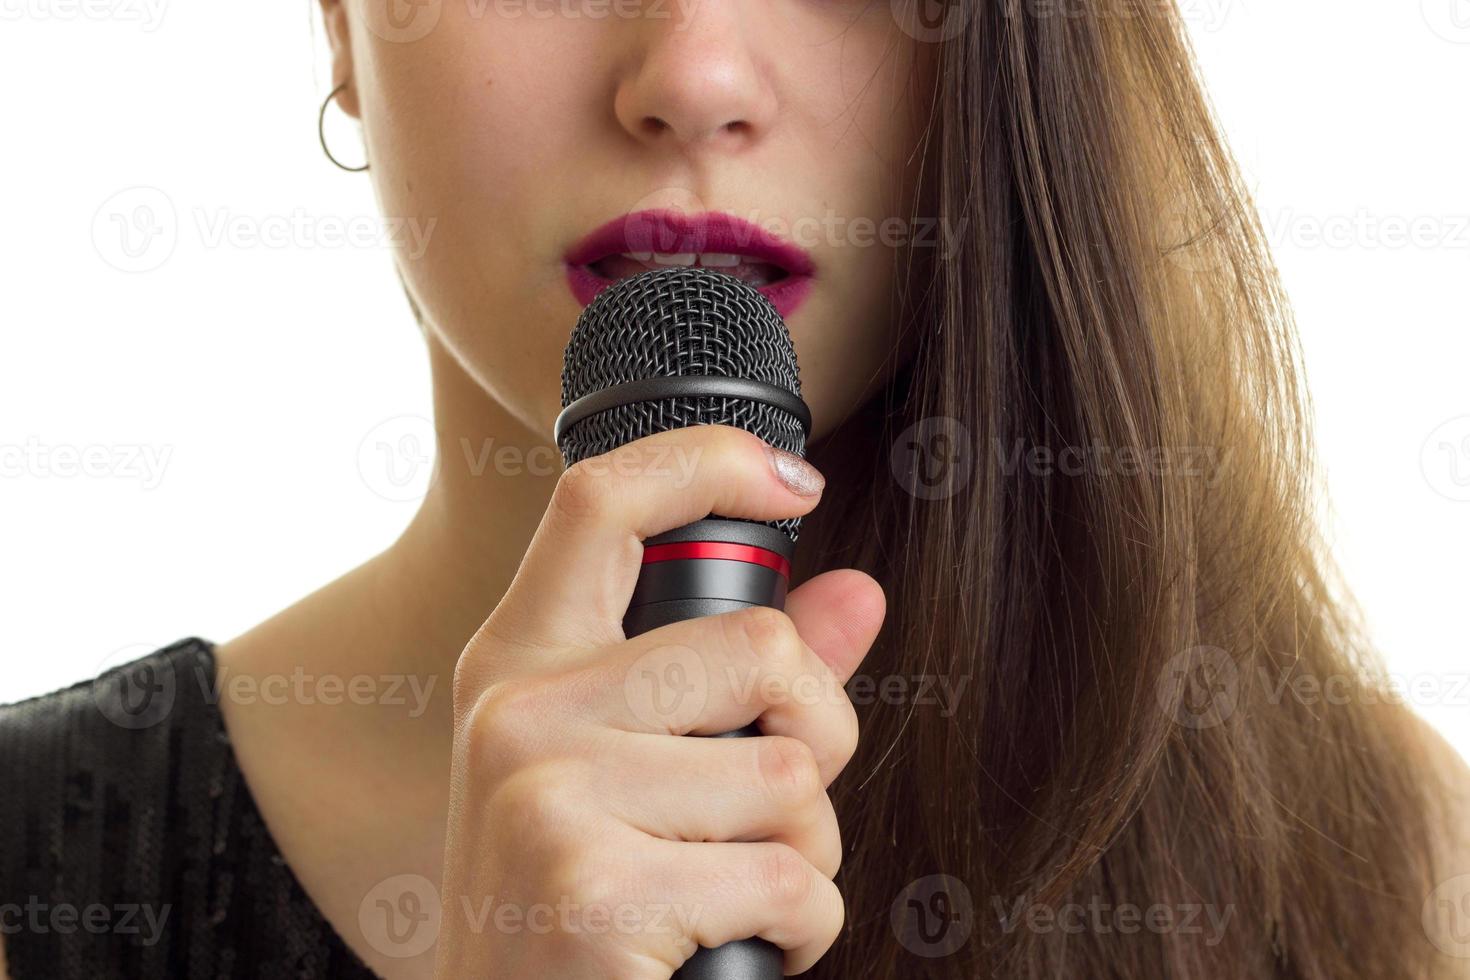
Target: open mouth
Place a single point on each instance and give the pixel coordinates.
(636, 243)
(746, 268)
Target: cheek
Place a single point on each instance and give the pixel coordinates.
(843, 366)
(473, 129)
(868, 181)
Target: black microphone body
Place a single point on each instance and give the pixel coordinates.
(664, 350)
(675, 589)
(708, 567)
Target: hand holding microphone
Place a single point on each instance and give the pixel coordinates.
(575, 795)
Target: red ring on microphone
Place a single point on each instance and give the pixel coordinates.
(727, 550)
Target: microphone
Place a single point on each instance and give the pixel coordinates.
(663, 350)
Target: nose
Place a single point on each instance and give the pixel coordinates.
(698, 79)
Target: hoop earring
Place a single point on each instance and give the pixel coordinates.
(321, 132)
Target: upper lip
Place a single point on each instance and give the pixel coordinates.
(672, 232)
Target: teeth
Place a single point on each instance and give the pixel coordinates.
(708, 260)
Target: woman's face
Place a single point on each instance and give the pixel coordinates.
(555, 144)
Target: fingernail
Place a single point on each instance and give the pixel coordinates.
(800, 477)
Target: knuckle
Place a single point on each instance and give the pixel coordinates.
(468, 681)
(731, 438)
(507, 700)
(788, 769)
(545, 797)
(505, 718)
(783, 877)
(582, 493)
(641, 459)
(572, 874)
(834, 916)
(591, 874)
(845, 736)
(771, 636)
(831, 854)
(472, 670)
(486, 657)
(827, 843)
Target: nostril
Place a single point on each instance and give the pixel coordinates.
(654, 126)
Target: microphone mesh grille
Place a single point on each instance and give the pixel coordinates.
(673, 323)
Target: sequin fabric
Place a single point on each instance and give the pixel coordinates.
(130, 846)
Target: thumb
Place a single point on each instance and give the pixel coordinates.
(838, 614)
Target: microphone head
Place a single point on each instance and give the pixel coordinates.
(647, 353)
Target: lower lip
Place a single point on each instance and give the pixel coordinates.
(785, 295)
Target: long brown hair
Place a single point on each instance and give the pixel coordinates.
(1119, 573)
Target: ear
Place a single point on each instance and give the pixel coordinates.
(337, 19)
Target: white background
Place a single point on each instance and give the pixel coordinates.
(256, 368)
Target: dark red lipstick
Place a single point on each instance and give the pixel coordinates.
(626, 246)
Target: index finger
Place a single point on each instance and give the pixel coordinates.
(577, 577)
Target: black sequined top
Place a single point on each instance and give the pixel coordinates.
(130, 845)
